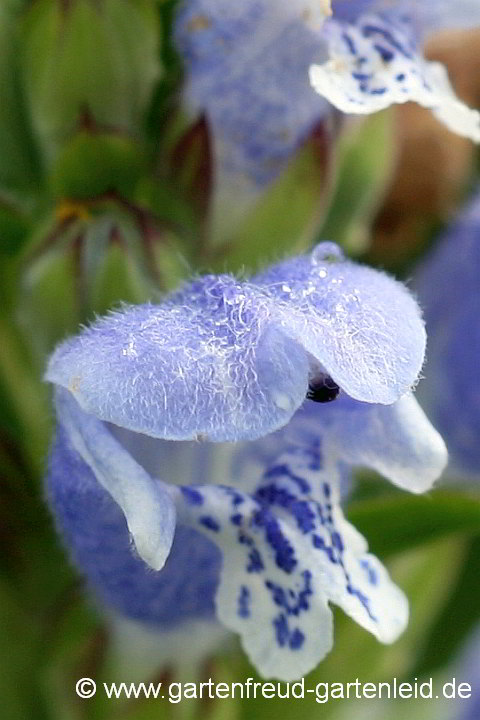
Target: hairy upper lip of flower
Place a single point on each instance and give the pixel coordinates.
(232, 361)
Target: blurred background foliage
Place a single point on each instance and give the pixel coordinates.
(104, 197)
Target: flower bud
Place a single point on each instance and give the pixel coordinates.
(92, 164)
(88, 258)
(99, 59)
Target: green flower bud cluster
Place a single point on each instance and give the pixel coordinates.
(107, 182)
(85, 219)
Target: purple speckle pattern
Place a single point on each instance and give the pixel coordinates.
(260, 538)
(376, 61)
(286, 554)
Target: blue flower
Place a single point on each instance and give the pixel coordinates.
(248, 71)
(375, 60)
(449, 289)
(214, 431)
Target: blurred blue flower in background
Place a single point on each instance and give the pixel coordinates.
(448, 287)
(248, 72)
(376, 60)
(215, 429)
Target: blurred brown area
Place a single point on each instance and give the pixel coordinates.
(434, 165)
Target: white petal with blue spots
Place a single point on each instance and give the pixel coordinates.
(267, 593)
(375, 63)
(221, 360)
(288, 552)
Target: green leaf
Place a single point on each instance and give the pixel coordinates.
(17, 645)
(75, 650)
(458, 618)
(398, 522)
(27, 394)
(19, 166)
(169, 205)
(48, 304)
(14, 229)
(116, 270)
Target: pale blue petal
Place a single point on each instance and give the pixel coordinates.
(425, 17)
(397, 440)
(214, 368)
(147, 507)
(223, 360)
(362, 326)
(465, 667)
(375, 63)
(446, 14)
(96, 533)
(351, 10)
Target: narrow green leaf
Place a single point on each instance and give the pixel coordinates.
(398, 522)
(19, 166)
(459, 617)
